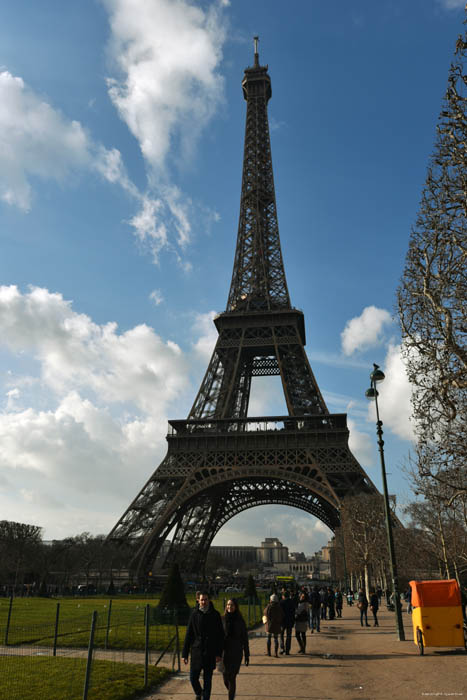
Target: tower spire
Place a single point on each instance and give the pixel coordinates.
(258, 279)
(256, 39)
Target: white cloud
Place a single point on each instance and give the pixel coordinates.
(394, 396)
(35, 141)
(366, 330)
(167, 53)
(166, 89)
(38, 141)
(156, 297)
(135, 366)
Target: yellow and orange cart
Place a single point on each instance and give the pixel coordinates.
(437, 614)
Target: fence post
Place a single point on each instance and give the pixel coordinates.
(8, 621)
(57, 614)
(249, 616)
(89, 661)
(146, 645)
(108, 625)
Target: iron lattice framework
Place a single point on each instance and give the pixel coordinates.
(219, 461)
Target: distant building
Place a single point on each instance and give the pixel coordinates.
(272, 554)
(236, 555)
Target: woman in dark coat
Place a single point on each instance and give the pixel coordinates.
(374, 605)
(274, 618)
(301, 622)
(362, 605)
(235, 645)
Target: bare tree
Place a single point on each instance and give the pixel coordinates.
(432, 297)
(363, 526)
(443, 519)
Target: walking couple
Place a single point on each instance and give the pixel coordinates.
(213, 640)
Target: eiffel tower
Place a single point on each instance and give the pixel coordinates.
(220, 461)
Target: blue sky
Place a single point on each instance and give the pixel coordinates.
(121, 144)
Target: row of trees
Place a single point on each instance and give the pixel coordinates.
(432, 545)
(27, 561)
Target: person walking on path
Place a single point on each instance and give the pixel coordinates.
(324, 602)
(301, 622)
(205, 638)
(331, 603)
(274, 618)
(235, 645)
(374, 605)
(288, 608)
(315, 604)
(362, 605)
(339, 601)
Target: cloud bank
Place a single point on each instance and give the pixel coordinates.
(86, 428)
(365, 331)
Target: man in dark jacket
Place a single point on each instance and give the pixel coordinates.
(315, 602)
(288, 608)
(205, 638)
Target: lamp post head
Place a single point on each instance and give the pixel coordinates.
(371, 393)
(377, 375)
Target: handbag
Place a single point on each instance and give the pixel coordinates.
(220, 666)
(264, 619)
(360, 605)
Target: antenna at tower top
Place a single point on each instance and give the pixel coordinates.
(256, 39)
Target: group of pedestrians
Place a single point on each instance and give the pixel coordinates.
(212, 640)
(302, 611)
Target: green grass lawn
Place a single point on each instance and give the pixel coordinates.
(33, 678)
(33, 622)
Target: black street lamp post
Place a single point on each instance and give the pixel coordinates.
(377, 376)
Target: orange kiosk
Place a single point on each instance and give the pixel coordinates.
(437, 614)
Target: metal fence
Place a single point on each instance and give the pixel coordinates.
(94, 655)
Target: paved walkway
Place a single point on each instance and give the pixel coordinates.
(343, 662)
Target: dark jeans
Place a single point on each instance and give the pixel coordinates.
(268, 644)
(287, 631)
(323, 612)
(315, 618)
(339, 612)
(363, 612)
(375, 617)
(301, 639)
(207, 680)
(230, 682)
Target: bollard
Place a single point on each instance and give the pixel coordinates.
(8, 621)
(89, 661)
(57, 614)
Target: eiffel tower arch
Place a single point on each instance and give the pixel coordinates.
(220, 461)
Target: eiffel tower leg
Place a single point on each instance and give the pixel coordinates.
(194, 533)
